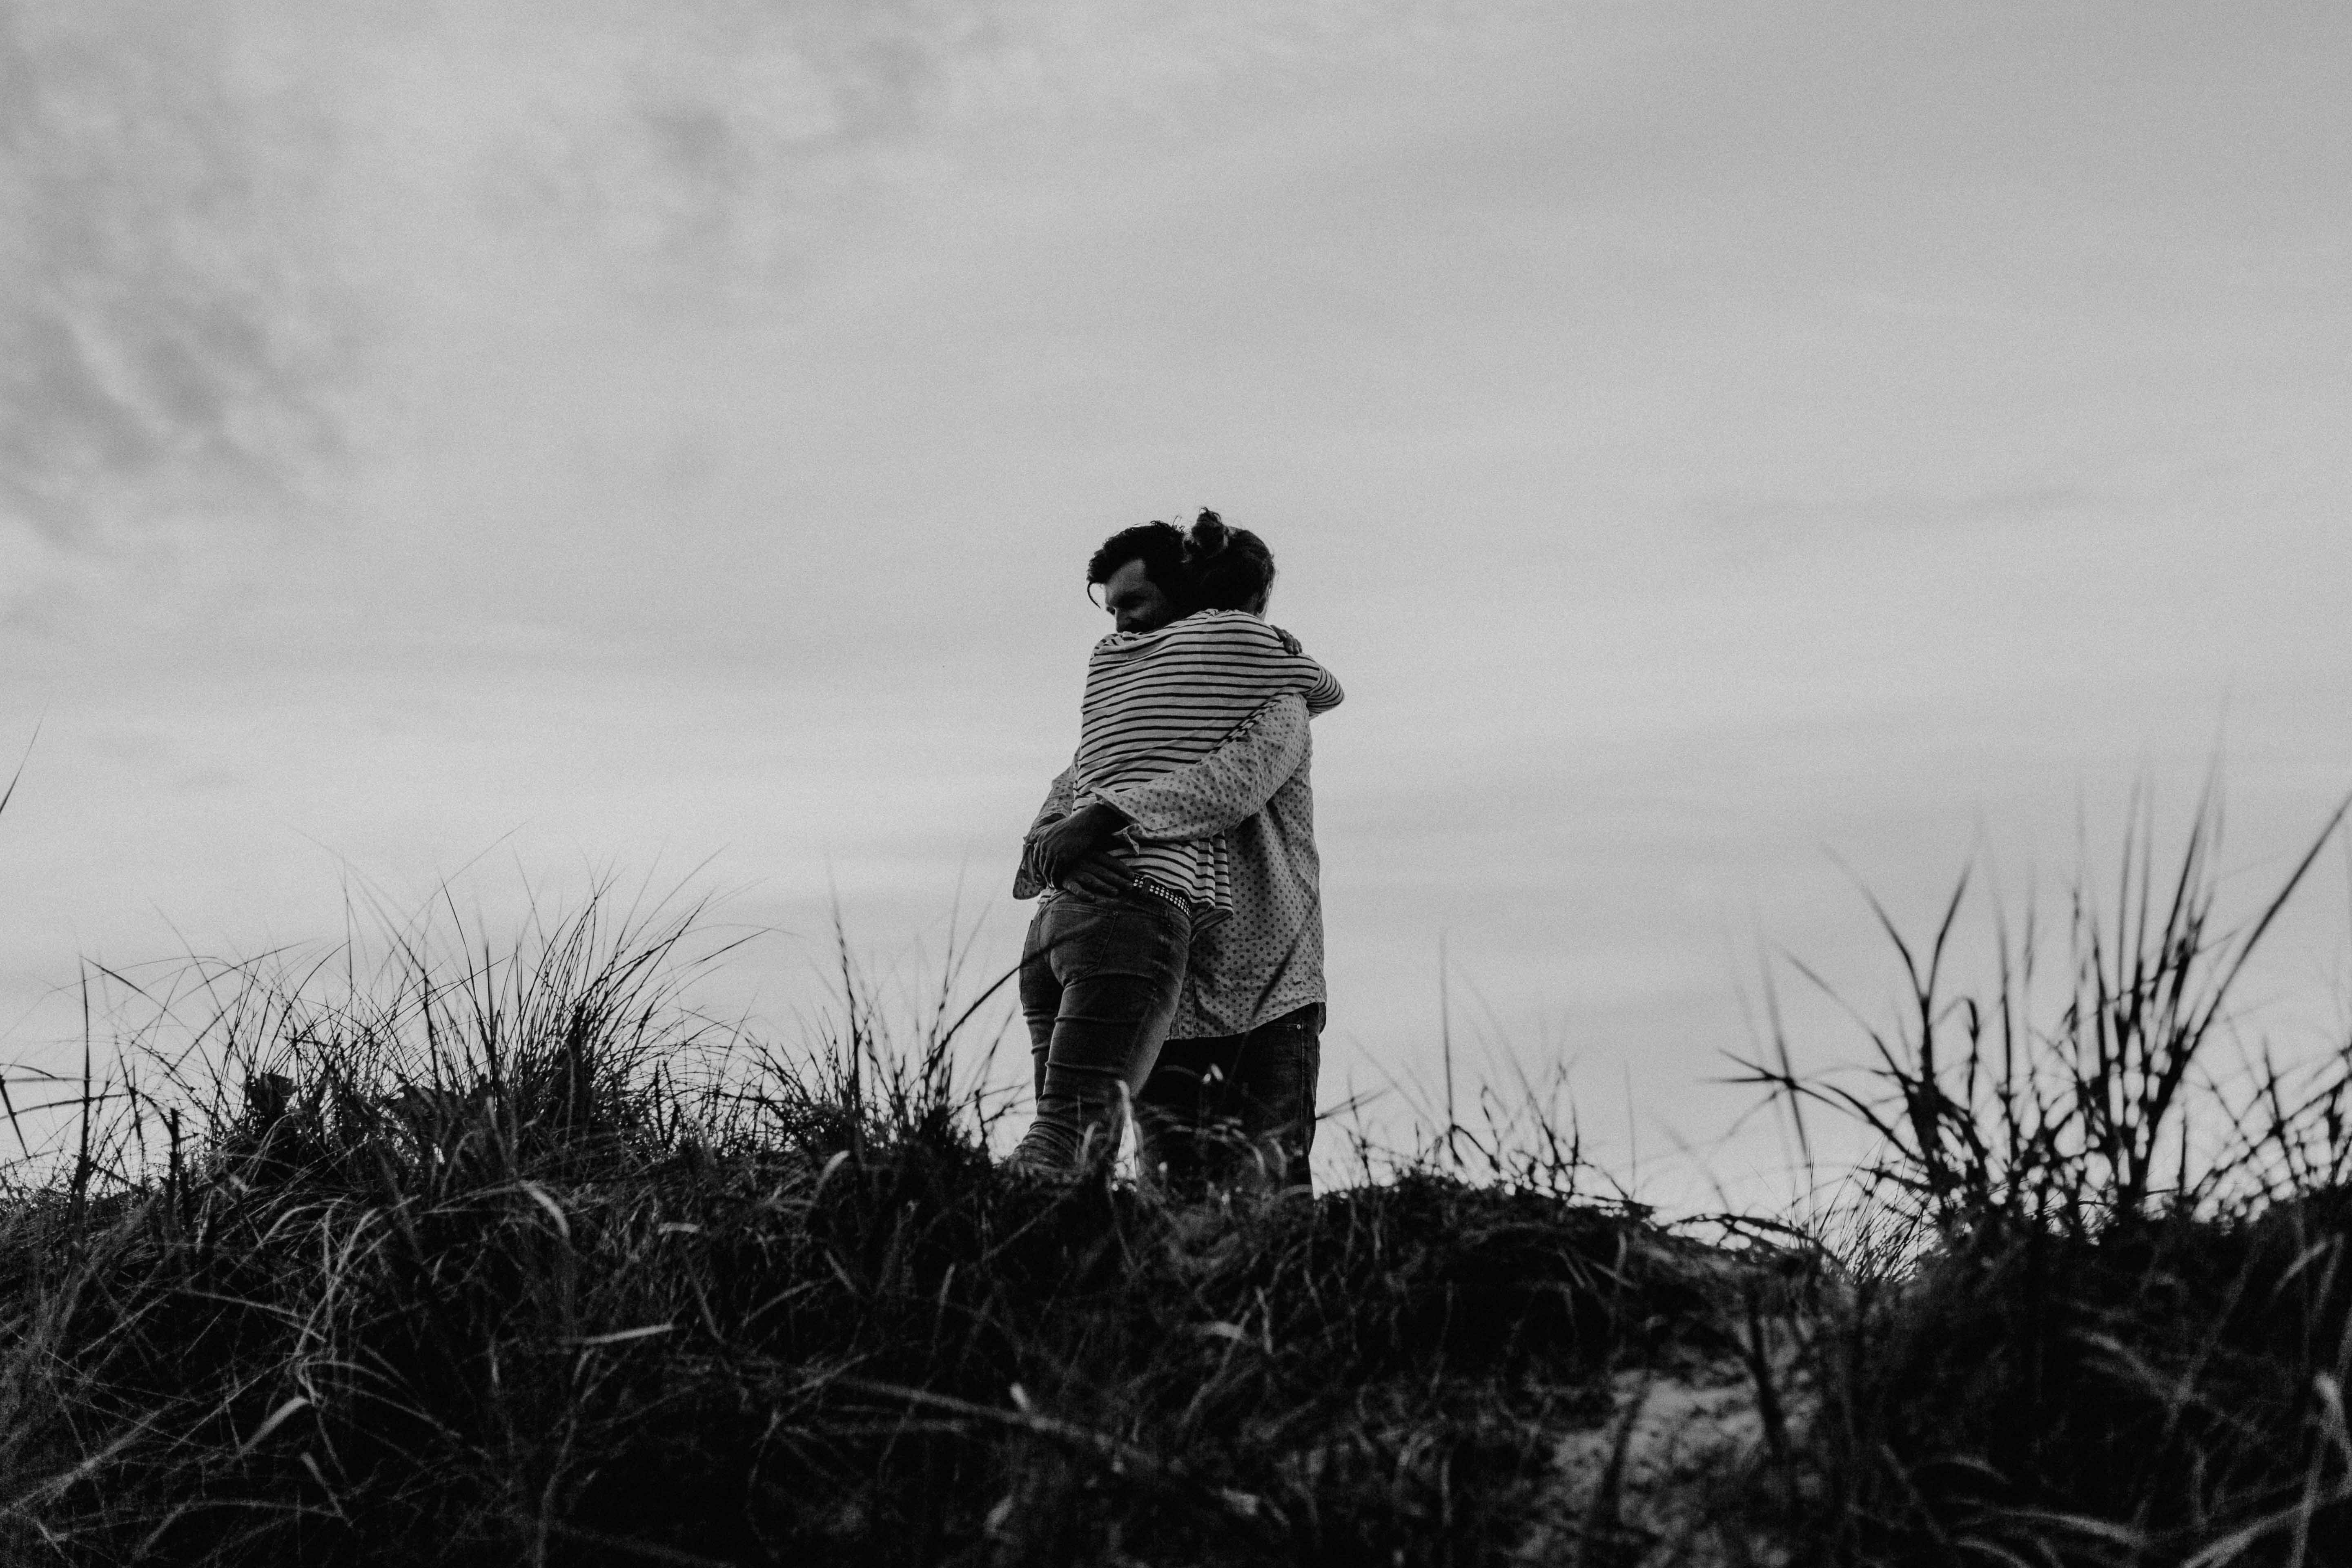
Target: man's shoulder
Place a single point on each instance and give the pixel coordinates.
(1223, 628)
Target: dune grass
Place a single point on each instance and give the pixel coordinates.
(514, 1263)
(2102, 1312)
(511, 1256)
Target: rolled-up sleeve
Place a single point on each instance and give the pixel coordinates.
(1324, 694)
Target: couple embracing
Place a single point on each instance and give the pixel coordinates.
(1175, 962)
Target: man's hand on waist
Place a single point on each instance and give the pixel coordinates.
(1058, 847)
(1098, 874)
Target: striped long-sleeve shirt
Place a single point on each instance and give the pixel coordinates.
(1158, 702)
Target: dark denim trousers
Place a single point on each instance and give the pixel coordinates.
(1100, 983)
(1234, 1110)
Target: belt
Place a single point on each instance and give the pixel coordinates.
(1161, 892)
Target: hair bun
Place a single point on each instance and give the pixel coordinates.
(1231, 568)
(1209, 535)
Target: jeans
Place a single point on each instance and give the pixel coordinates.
(1233, 1108)
(1100, 983)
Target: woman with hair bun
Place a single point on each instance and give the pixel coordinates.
(1231, 1098)
(1229, 568)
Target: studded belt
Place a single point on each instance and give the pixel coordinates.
(1161, 892)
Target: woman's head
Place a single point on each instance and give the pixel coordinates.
(1229, 568)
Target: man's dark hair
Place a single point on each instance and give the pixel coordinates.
(1230, 568)
(1158, 545)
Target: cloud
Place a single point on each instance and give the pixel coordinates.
(183, 289)
(168, 346)
(719, 132)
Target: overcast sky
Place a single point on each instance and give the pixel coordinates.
(1711, 441)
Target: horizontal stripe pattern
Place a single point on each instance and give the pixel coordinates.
(1156, 701)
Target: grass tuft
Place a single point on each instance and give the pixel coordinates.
(2101, 1313)
(516, 1260)
(498, 1257)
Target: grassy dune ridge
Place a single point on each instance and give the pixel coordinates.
(511, 1256)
